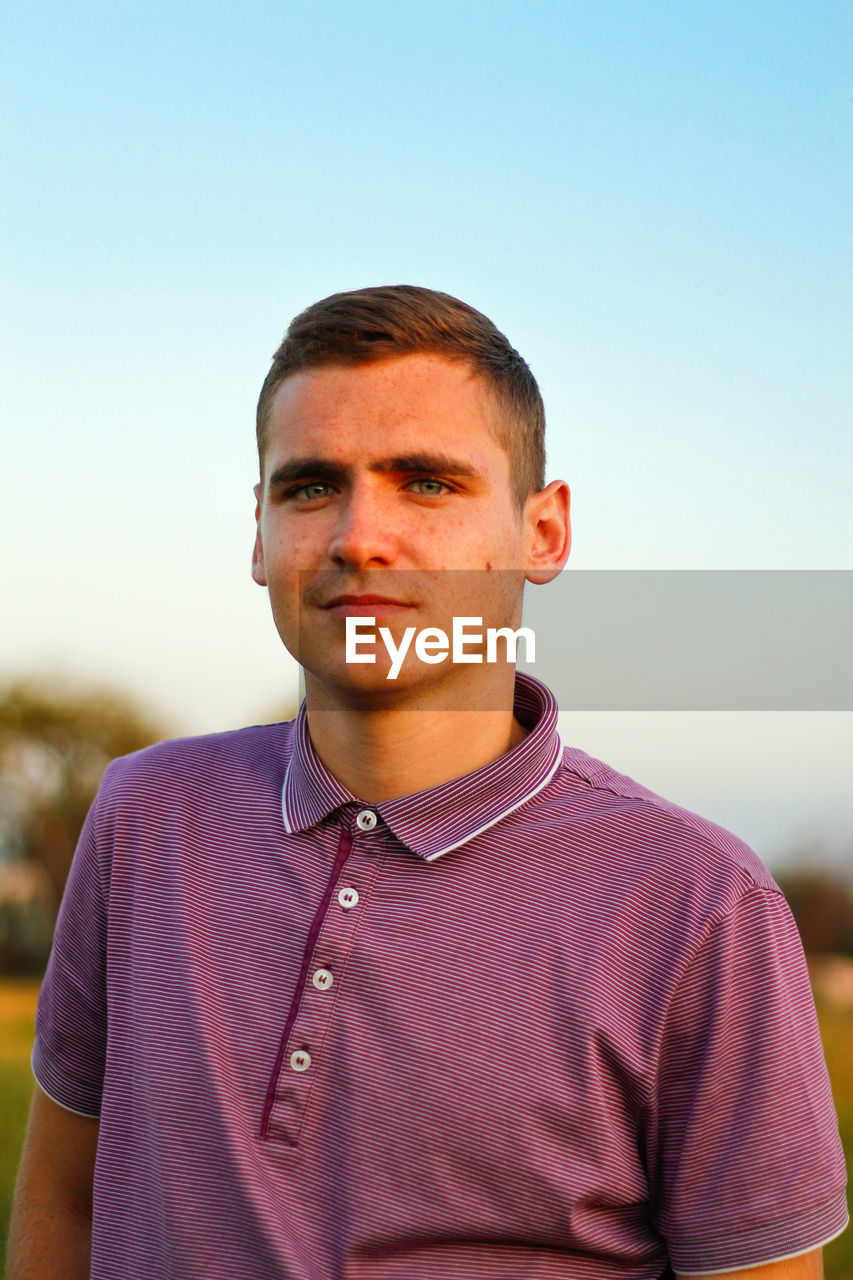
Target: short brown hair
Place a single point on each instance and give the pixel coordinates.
(388, 321)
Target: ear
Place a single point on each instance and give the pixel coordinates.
(258, 570)
(549, 532)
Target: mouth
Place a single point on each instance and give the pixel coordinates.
(369, 606)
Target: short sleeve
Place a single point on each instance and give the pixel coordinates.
(71, 1016)
(743, 1151)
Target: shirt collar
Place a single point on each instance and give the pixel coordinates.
(433, 822)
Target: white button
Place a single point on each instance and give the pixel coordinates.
(366, 820)
(300, 1060)
(322, 979)
(348, 898)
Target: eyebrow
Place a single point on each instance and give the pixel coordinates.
(317, 467)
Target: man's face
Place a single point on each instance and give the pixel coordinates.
(385, 467)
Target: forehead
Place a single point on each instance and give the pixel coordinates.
(410, 400)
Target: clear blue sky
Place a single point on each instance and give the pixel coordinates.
(653, 200)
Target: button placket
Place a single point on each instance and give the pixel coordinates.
(322, 987)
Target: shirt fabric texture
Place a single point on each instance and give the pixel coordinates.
(534, 1022)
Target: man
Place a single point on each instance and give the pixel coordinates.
(403, 988)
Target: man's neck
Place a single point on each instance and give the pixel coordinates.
(380, 754)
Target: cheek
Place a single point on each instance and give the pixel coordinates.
(485, 538)
(279, 543)
(501, 546)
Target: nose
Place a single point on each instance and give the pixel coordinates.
(363, 536)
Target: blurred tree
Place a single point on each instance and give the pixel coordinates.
(55, 743)
(821, 902)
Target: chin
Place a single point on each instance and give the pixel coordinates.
(369, 689)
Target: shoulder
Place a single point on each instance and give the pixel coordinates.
(654, 827)
(212, 766)
(640, 857)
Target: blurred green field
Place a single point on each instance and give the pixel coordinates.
(17, 1014)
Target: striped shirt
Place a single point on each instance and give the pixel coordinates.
(534, 1022)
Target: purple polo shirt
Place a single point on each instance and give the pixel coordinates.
(535, 1022)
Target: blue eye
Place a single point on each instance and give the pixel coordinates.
(316, 489)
